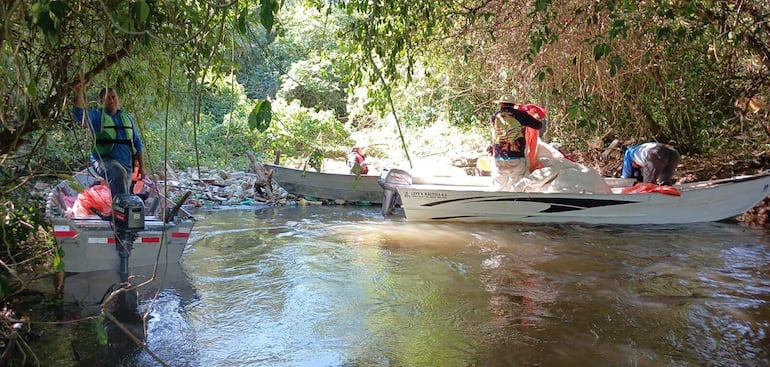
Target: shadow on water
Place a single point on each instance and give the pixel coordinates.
(76, 339)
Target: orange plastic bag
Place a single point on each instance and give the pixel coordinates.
(96, 197)
(531, 136)
(646, 187)
(138, 184)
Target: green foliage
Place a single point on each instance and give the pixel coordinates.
(453, 58)
(234, 125)
(616, 80)
(266, 58)
(315, 160)
(131, 16)
(316, 84)
(24, 231)
(678, 86)
(297, 132)
(218, 145)
(48, 16)
(262, 60)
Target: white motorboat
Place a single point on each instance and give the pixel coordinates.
(704, 201)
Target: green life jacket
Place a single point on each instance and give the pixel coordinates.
(106, 138)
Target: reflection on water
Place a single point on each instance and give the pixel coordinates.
(340, 286)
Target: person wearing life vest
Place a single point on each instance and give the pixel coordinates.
(509, 143)
(357, 158)
(116, 144)
(656, 161)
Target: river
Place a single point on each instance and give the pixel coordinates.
(341, 286)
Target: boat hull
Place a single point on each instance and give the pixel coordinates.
(332, 186)
(352, 188)
(89, 244)
(699, 202)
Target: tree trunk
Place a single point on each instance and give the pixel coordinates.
(264, 177)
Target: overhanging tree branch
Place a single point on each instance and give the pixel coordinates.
(11, 138)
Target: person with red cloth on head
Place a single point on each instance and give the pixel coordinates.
(509, 143)
(537, 112)
(356, 160)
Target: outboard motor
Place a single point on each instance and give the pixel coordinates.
(128, 220)
(128, 212)
(390, 180)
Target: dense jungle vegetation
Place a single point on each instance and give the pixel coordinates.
(209, 81)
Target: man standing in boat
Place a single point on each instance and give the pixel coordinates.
(510, 142)
(117, 146)
(657, 162)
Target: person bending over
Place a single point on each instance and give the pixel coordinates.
(656, 161)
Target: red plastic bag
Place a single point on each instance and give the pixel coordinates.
(646, 187)
(96, 197)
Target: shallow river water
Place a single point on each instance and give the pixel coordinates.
(341, 286)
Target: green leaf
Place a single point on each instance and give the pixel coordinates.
(142, 12)
(52, 37)
(99, 329)
(76, 186)
(44, 22)
(5, 289)
(616, 62)
(598, 51)
(601, 50)
(32, 88)
(618, 28)
(242, 21)
(124, 21)
(59, 8)
(690, 9)
(260, 116)
(541, 5)
(267, 13)
(57, 263)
